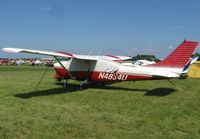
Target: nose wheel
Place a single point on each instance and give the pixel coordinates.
(59, 79)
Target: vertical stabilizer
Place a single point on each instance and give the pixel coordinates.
(179, 57)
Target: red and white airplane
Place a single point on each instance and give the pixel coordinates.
(100, 69)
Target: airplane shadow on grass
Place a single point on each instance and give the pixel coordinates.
(73, 88)
(160, 92)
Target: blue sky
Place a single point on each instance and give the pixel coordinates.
(118, 27)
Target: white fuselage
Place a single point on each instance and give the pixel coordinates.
(109, 70)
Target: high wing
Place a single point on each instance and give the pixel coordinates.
(65, 54)
(116, 58)
(19, 50)
(48, 53)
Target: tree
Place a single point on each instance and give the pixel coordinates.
(145, 57)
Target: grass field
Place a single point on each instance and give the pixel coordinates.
(144, 109)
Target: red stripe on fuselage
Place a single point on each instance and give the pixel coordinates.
(100, 76)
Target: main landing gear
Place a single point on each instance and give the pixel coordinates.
(83, 85)
(88, 84)
(65, 83)
(60, 80)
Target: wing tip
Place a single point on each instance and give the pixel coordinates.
(9, 50)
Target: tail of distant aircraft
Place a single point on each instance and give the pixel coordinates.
(179, 57)
(192, 61)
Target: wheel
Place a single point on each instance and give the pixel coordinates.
(79, 88)
(59, 79)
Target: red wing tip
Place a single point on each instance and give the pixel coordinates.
(65, 53)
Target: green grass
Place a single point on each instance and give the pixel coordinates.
(143, 109)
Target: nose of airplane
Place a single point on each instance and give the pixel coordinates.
(60, 71)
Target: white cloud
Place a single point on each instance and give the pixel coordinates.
(176, 27)
(150, 50)
(46, 8)
(130, 49)
(170, 47)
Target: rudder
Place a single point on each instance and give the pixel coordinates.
(179, 57)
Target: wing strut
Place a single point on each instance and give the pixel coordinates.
(70, 75)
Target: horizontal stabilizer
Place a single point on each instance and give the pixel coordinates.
(192, 61)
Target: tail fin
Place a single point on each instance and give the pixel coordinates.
(179, 57)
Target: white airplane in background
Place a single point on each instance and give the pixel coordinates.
(37, 62)
(101, 69)
(139, 63)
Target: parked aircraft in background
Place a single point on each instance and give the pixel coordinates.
(101, 69)
(192, 61)
(37, 62)
(139, 63)
(4, 61)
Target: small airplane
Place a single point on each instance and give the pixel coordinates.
(4, 61)
(37, 62)
(139, 63)
(108, 68)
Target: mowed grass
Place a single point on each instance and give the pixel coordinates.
(143, 109)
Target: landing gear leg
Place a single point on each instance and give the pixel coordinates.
(65, 83)
(82, 85)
